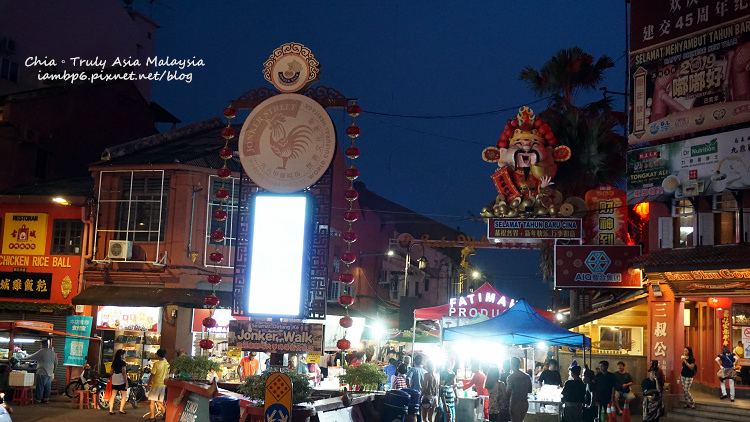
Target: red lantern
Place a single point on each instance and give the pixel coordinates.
(216, 257)
(719, 302)
(351, 216)
(346, 300)
(230, 112)
(214, 279)
(209, 322)
(350, 237)
(642, 210)
(226, 153)
(211, 300)
(346, 278)
(221, 193)
(353, 131)
(351, 173)
(354, 110)
(217, 235)
(346, 322)
(351, 195)
(219, 215)
(227, 133)
(224, 172)
(206, 344)
(352, 152)
(343, 344)
(348, 258)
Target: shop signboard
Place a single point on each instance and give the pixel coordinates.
(726, 329)
(24, 233)
(77, 348)
(606, 224)
(688, 68)
(519, 229)
(222, 317)
(128, 318)
(276, 337)
(234, 352)
(706, 165)
(596, 267)
(25, 285)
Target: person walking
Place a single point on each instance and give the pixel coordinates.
(652, 387)
(429, 392)
(573, 396)
(46, 365)
(726, 361)
(449, 396)
(156, 389)
(497, 407)
(605, 386)
(415, 375)
(119, 377)
(686, 376)
(623, 381)
(589, 402)
(519, 386)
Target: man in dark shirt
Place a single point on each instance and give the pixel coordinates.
(573, 396)
(605, 385)
(623, 381)
(551, 376)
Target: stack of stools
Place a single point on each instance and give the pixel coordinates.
(54, 389)
(23, 396)
(84, 399)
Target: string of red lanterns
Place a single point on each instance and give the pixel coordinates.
(348, 258)
(218, 236)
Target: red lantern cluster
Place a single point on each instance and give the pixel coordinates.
(220, 215)
(526, 124)
(719, 302)
(348, 258)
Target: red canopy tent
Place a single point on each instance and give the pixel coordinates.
(485, 300)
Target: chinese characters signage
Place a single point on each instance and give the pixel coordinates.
(608, 225)
(543, 228)
(77, 348)
(597, 267)
(690, 84)
(24, 233)
(704, 165)
(726, 329)
(23, 285)
(276, 336)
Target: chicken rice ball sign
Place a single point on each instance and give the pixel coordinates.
(286, 145)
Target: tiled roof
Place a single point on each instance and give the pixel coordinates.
(700, 257)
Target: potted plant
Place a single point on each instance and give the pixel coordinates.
(363, 377)
(255, 388)
(186, 366)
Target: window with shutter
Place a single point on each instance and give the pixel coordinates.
(665, 233)
(706, 228)
(683, 226)
(726, 220)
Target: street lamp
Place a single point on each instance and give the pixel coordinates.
(421, 264)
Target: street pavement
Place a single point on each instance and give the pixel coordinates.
(59, 409)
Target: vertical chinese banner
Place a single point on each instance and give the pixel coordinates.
(606, 224)
(77, 348)
(661, 335)
(726, 330)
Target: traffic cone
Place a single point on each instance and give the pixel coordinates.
(626, 412)
(608, 418)
(612, 413)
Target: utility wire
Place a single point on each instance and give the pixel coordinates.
(454, 116)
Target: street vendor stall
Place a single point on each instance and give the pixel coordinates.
(523, 325)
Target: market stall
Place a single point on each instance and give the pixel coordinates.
(523, 325)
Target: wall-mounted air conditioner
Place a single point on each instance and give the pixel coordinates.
(120, 249)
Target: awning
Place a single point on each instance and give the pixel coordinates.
(606, 311)
(111, 295)
(41, 327)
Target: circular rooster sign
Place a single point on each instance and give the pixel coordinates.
(287, 143)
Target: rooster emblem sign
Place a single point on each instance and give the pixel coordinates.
(287, 143)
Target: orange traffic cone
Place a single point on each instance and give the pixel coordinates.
(612, 413)
(626, 412)
(609, 413)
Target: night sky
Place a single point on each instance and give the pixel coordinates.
(400, 58)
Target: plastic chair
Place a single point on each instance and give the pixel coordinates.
(54, 389)
(23, 396)
(82, 399)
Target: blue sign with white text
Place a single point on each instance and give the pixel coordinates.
(77, 348)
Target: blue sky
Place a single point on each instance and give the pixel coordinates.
(400, 58)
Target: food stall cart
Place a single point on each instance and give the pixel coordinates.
(522, 325)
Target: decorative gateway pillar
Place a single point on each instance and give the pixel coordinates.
(666, 333)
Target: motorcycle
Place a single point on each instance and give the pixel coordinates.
(101, 386)
(87, 381)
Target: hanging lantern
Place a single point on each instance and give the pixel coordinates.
(211, 300)
(217, 236)
(221, 193)
(230, 112)
(352, 152)
(209, 322)
(348, 258)
(206, 344)
(351, 194)
(346, 322)
(350, 237)
(346, 278)
(719, 302)
(343, 344)
(216, 257)
(214, 279)
(642, 210)
(351, 216)
(346, 300)
(219, 215)
(226, 153)
(352, 173)
(354, 110)
(227, 133)
(353, 131)
(224, 172)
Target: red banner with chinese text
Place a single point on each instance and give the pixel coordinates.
(726, 329)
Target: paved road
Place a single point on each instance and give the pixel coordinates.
(60, 410)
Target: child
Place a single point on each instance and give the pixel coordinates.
(448, 394)
(399, 380)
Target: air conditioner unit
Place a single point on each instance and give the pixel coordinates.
(7, 45)
(120, 249)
